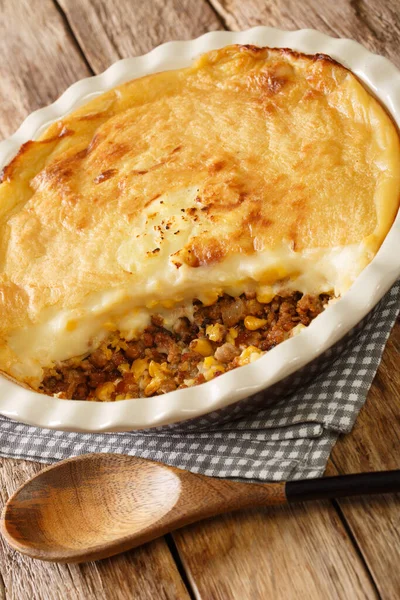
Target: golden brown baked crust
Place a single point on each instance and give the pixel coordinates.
(250, 152)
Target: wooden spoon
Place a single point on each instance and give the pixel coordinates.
(97, 505)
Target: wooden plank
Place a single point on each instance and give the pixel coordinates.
(301, 552)
(40, 60)
(373, 446)
(374, 441)
(375, 24)
(108, 31)
(146, 573)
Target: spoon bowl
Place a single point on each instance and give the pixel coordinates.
(97, 505)
(69, 511)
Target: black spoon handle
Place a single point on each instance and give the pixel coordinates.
(361, 484)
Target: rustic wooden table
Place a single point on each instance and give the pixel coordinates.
(347, 549)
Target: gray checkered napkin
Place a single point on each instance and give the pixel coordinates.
(290, 439)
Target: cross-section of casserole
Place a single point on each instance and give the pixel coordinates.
(182, 224)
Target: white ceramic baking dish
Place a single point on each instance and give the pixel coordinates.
(221, 395)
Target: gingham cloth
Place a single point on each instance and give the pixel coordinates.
(291, 439)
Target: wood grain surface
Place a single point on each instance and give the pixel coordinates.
(296, 552)
(373, 23)
(39, 59)
(342, 550)
(108, 31)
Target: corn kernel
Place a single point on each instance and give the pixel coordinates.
(123, 345)
(139, 366)
(254, 323)
(144, 380)
(215, 332)
(209, 299)
(104, 391)
(265, 297)
(210, 361)
(153, 368)
(249, 350)
(232, 335)
(202, 346)
(157, 370)
(212, 366)
(273, 274)
(120, 397)
(123, 368)
(108, 353)
(152, 386)
(248, 355)
(210, 374)
(255, 356)
(71, 325)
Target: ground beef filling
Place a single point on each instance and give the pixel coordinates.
(230, 333)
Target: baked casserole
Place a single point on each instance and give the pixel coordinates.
(183, 224)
